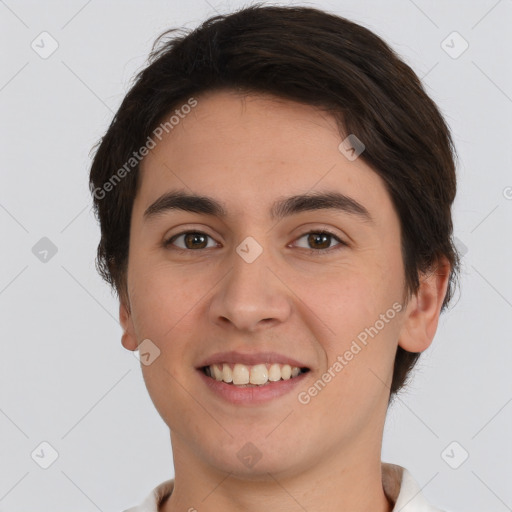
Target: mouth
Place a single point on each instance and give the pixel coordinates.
(257, 375)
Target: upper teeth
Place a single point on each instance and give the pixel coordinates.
(258, 374)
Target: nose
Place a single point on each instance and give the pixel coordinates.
(251, 296)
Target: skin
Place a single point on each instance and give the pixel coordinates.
(247, 151)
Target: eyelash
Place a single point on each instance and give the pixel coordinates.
(314, 252)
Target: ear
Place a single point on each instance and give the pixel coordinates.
(422, 312)
(128, 340)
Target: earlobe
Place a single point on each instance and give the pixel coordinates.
(424, 308)
(128, 339)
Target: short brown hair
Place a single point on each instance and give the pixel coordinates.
(316, 58)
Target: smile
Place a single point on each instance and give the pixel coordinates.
(243, 375)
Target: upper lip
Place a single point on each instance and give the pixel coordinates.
(250, 358)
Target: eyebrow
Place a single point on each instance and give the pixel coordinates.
(283, 207)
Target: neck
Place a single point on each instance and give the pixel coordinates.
(350, 480)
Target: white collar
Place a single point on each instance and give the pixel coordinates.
(398, 484)
(403, 490)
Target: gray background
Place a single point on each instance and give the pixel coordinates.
(65, 378)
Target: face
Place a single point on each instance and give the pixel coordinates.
(318, 285)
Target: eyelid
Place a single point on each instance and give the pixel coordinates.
(168, 241)
(322, 231)
(184, 229)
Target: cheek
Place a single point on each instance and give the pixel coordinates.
(358, 329)
(162, 298)
(344, 301)
(165, 303)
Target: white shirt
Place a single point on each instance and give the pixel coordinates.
(398, 484)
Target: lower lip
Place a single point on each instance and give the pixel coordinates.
(252, 395)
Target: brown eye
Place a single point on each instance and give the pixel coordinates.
(319, 242)
(191, 240)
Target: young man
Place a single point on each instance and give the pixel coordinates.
(274, 196)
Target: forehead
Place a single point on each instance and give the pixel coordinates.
(248, 150)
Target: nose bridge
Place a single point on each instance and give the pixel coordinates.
(250, 294)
